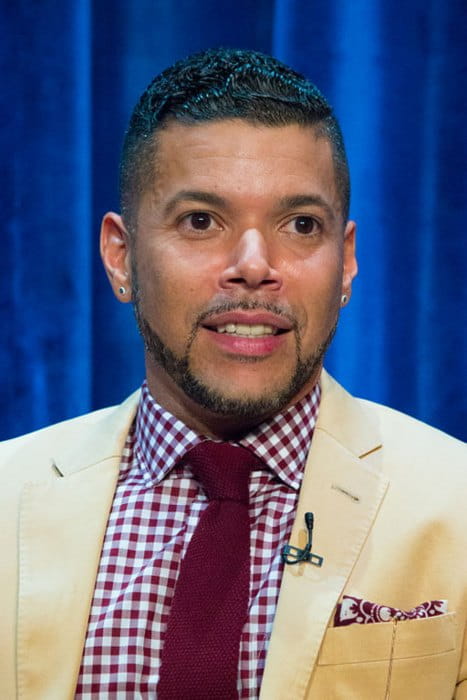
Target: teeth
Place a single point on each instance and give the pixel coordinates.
(256, 329)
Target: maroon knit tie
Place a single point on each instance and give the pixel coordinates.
(210, 605)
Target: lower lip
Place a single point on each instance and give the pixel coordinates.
(250, 346)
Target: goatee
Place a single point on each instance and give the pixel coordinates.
(250, 409)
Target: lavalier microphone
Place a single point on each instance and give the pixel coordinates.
(294, 555)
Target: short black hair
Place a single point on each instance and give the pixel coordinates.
(223, 84)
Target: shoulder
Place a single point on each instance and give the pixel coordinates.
(26, 456)
(402, 443)
(408, 435)
(52, 433)
(426, 468)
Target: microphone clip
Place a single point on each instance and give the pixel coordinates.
(294, 555)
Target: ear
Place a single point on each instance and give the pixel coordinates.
(116, 255)
(350, 267)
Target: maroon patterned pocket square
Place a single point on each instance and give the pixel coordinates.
(353, 610)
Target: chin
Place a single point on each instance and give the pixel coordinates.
(241, 404)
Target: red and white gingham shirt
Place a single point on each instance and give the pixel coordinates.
(155, 510)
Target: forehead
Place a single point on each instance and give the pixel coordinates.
(238, 158)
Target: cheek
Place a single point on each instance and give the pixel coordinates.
(157, 290)
(317, 281)
(169, 293)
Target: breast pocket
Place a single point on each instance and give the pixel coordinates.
(406, 660)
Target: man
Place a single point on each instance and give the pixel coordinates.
(123, 569)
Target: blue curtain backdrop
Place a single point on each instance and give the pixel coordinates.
(396, 74)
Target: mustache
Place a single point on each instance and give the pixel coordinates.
(246, 305)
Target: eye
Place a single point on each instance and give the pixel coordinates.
(304, 225)
(198, 221)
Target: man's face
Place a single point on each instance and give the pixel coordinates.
(238, 265)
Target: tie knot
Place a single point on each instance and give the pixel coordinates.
(223, 469)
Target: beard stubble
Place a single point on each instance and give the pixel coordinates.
(252, 409)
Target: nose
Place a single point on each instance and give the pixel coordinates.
(249, 264)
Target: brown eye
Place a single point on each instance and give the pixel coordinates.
(200, 220)
(304, 224)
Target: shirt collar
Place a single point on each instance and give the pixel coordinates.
(282, 441)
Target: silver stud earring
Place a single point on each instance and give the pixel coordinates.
(122, 290)
(344, 299)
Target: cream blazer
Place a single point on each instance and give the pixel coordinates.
(389, 496)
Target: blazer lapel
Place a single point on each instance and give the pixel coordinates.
(62, 526)
(343, 488)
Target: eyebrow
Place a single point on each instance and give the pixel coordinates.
(210, 198)
(215, 200)
(304, 200)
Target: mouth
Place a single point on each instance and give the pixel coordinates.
(245, 330)
(248, 325)
(245, 334)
